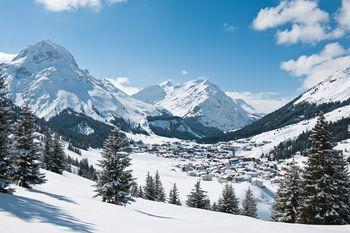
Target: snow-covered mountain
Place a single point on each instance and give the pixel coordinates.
(335, 88)
(46, 76)
(198, 101)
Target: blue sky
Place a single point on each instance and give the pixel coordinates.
(149, 41)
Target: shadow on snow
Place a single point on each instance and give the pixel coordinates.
(29, 209)
(152, 215)
(58, 197)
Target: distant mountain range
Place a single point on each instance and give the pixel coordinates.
(46, 77)
(84, 108)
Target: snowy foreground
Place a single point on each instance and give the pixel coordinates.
(65, 204)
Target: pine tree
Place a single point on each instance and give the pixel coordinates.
(57, 163)
(53, 155)
(26, 157)
(228, 203)
(287, 199)
(140, 193)
(174, 196)
(5, 145)
(149, 190)
(47, 152)
(249, 204)
(326, 183)
(198, 198)
(214, 207)
(160, 195)
(134, 190)
(115, 179)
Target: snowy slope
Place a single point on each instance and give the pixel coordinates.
(333, 89)
(200, 100)
(290, 132)
(65, 204)
(47, 77)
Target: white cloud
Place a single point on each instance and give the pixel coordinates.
(262, 102)
(184, 72)
(229, 27)
(317, 67)
(6, 57)
(65, 5)
(343, 15)
(122, 83)
(306, 21)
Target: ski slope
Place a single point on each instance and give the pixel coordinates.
(66, 204)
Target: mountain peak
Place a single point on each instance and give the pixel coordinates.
(46, 52)
(166, 83)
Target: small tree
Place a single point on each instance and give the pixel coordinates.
(198, 198)
(228, 203)
(26, 158)
(160, 195)
(149, 190)
(115, 179)
(47, 152)
(214, 207)
(287, 199)
(5, 143)
(134, 191)
(140, 193)
(249, 204)
(325, 196)
(58, 162)
(174, 196)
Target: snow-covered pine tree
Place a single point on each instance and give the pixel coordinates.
(5, 145)
(198, 198)
(326, 182)
(58, 160)
(174, 196)
(115, 179)
(160, 194)
(149, 190)
(134, 191)
(214, 207)
(287, 199)
(228, 203)
(249, 204)
(140, 193)
(47, 152)
(26, 157)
